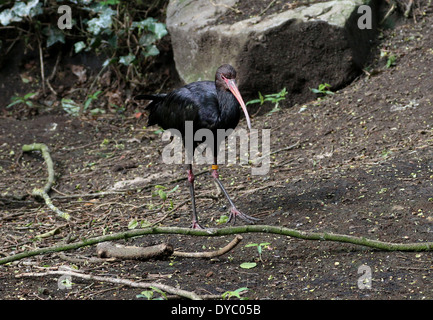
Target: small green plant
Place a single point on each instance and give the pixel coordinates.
(89, 100)
(149, 294)
(391, 61)
(133, 224)
(260, 247)
(236, 293)
(163, 194)
(323, 89)
(75, 109)
(391, 58)
(222, 219)
(274, 98)
(24, 99)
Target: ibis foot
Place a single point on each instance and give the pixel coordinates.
(196, 226)
(235, 213)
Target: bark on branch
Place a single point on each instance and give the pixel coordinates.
(43, 192)
(160, 251)
(118, 251)
(306, 235)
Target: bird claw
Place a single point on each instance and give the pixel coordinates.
(234, 213)
(195, 225)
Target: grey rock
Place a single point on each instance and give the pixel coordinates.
(297, 49)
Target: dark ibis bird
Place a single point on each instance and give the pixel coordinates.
(209, 105)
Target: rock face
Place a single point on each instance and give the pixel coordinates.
(297, 49)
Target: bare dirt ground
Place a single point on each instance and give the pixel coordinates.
(363, 167)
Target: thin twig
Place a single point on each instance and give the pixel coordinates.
(53, 73)
(130, 283)
(267, 8)
(41, 61)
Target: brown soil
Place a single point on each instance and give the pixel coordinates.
(364, 167)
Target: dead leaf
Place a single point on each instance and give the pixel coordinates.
(80, 72)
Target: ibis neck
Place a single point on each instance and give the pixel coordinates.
(228, 105)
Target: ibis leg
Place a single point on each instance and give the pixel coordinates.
(234, 212)
(194, 217)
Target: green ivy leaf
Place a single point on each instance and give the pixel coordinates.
(20, 10)
(70, 106)
(78, 46)
(146, 39)
(101, 23)
(158, 29)
(127, 60)
(151, 50)
(53, 35)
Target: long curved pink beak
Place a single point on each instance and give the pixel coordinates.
(234, 89)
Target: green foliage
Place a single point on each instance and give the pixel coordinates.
(133, 224)
(107, 32)
(120, 30)
(323, 89)
(391, 61)
(149, 294)
(222, 219)
(248, 265)
(236, 293)
(162, 193)
(391, 58)
(20, 11)
(75, 108)
(25, 100)
(259, 246)
(274, 98)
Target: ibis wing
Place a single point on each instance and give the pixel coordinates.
(196, 102)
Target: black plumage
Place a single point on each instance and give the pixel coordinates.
(209, 105)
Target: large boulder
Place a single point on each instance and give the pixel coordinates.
(297, 49)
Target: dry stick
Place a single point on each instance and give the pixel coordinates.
(266, 9)
(53, 73)
(210, 254)
(43, 192)
(408, 8)
(390, 11)
(305, 235)
(163, 287)
(123, 191)
(41, 61)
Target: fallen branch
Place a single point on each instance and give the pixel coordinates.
(49, 233)
(210, 254)
(305, 235)
(118, 251)
(43, 192)
(130, 283)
